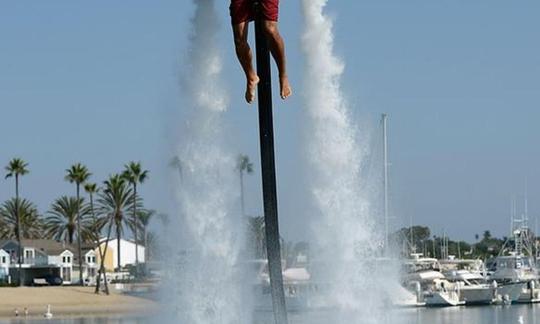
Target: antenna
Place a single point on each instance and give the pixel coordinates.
(526, 202)
(385, 180)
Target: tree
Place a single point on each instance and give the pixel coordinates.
(78, 174)
(243, 165)
(144, 220)
(21, 220)
(176, 163)
(487, 235)
(135, 175)
(63, 217)
(256, 236)
(114, 201)
(17, 168)
(97, 222)
(97, 226)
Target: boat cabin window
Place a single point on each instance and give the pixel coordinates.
(517, 263)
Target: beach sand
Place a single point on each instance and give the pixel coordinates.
(70, 301)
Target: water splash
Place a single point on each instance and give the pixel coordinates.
(344, 231)
(204, 286)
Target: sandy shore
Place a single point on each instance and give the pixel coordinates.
(70, 301)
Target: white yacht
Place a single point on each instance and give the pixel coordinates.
(518, 267)
(423, 277)
(296, 283)
(517, 270)
(444, 293)
(473, 287)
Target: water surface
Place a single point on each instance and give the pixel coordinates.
(517, 314)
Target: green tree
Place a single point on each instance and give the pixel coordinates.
(243, 165)
(97, 222)
(256, 236)
(16, 168)
(63, 218)
(135, 175)
(78, 174)
(97, 226)
(21, 220)
(144, 217)
(114, 202)
(176, 163)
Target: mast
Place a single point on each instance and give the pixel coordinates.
(385, 181)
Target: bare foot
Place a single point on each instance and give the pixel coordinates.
(250, 88)
(285, 87)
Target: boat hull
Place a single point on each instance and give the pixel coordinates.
(443, 299)
(477, 295)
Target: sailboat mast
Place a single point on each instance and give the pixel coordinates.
(385, 167)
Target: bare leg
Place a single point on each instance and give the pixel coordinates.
(243, 52)
(277, 48)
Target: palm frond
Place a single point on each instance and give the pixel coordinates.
(30, 221)
(15, 167)
(77, 173)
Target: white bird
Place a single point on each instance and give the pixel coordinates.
(25, 311)
(16, 312)
(520, 320)
(48, 314)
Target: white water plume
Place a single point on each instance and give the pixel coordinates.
(203, 286)
(344, 229)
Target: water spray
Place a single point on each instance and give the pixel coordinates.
(204, 286)
(344, 232)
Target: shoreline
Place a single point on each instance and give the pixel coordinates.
(70, 302)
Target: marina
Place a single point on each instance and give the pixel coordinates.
(269, 162)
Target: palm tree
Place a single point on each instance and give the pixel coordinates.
(61, 223)
(135, 175)
(91, 189)
(98, 224)
(17, 168)
(144, 220)
(176, 163)
(243, 165)
(256, 236)
(114, 201)
(103, 254)
(21, 220)
(78, 174)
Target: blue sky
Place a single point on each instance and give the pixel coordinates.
(96, 82)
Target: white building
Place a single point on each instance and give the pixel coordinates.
(127, 253)
(45, 257)
(4, 265)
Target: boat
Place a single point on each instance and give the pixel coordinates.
(518, 267)
(297, 286)
(422, 277)
(444, 293)
(519, 273)
(473, 287)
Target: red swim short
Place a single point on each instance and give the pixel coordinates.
(242, 10)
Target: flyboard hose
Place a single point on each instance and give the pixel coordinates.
(266, 131)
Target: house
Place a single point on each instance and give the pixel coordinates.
(127, 253)
(90, 263)
(43, 257)
(4, 266)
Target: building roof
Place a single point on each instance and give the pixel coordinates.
(49, 247)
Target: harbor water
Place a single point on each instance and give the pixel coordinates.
(526, 313)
